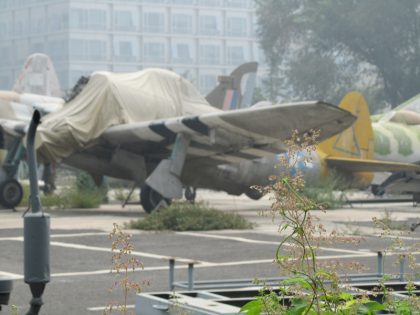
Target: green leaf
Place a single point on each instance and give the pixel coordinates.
(302, 281)
(252, 308)
(402, 308)
(298, 306)
(281, 257)
(345, 296)
(370, 308)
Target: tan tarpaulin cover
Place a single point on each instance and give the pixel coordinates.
(111, 99)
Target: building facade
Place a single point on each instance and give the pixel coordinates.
(199, 39)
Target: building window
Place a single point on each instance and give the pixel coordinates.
(92, 19)
(207, 83)
(209, 25)
(209, 3)
(183, 2)
(97, 19)
(5, 82)
(236, 26)
(5, 54)
(181, 53)
(58, 49)
(154, 22)
(154, 52)
(182, 24)
(123, 21)
(210, 54)
(88, 49)
(37, 48)
(235, 55)
(21, 52)
(4, 29)
(154, 1)
(38, 26)
(125, 51)
(237, 3)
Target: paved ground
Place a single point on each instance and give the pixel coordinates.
(81, 259)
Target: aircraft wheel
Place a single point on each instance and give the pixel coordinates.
(190, 194)
(377, 190)
(254, 194)
(151, 199)
(11, 193)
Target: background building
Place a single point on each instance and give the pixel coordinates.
(199, 39)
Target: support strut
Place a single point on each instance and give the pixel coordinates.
(165, 179)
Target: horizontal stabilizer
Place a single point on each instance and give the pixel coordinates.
(367, 165)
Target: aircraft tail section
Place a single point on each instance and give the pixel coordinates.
(352, 151)
(236, 90)
(38, 76)
(355, 142)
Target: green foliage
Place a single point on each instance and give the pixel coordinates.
(327, 47)
(14, 310)
(184, 216)
(312, 288)
(328, 191)
(81, 194)
(84, 182)
(81, 199)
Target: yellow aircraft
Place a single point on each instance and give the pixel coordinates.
(354, 152)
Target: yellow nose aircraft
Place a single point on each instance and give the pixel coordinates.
(366, 148)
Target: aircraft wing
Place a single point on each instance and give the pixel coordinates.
(360, 165)
(252, 130)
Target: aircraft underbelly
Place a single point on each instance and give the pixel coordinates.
(123, 165)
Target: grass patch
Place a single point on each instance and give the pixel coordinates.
(184, 216)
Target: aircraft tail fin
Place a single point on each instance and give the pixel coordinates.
(38, 76)
(236, 90)
(355, 142)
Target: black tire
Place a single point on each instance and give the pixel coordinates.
(190, 194)
(254, 194)
(11, 193)
(151, 200)
(377, 190)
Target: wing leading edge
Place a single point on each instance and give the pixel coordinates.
(359, 165)
(263, 127)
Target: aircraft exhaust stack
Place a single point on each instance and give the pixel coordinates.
(36, 231)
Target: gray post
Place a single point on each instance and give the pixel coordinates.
(191, 276)
(36, 232)
(380, 264)
(171, 274)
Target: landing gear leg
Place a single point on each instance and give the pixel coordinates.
(190, 194)
(164, 183)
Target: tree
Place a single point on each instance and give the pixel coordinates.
(324, 48)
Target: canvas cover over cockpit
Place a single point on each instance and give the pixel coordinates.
(111, 99)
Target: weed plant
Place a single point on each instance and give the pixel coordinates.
(184, 216)
(122, 263)
(312, 287)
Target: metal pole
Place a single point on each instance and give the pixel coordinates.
(171, 274)
(380, 264)
(36, 233)
(191, 276)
